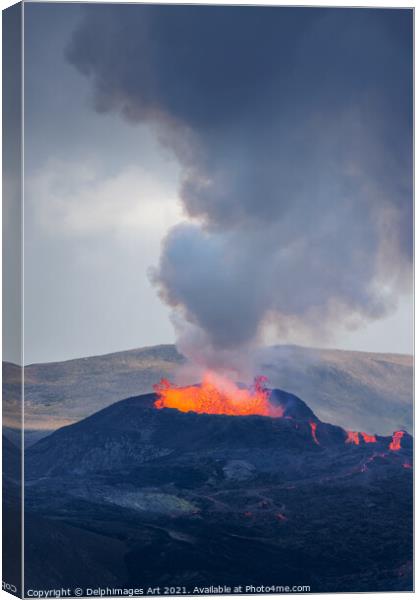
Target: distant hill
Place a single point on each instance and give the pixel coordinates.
(57, 394)
(358, 390)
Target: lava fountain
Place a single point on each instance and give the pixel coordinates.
(218, 395)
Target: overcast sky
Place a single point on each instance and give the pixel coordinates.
(102, 190)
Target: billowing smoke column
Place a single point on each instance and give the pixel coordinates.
(293, 129)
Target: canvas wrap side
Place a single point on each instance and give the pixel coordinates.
(12, 409)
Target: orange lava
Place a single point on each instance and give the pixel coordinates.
(396, 440)
(313, 432)
(217, 395)
(368, 439)
(353, 438)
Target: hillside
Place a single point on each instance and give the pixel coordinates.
(173, 498)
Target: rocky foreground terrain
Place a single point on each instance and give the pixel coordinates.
(357, 390)
(136, 496)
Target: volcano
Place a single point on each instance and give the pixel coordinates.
(188, 498)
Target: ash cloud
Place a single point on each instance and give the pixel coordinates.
(294, 130)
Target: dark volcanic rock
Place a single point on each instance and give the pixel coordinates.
(198, 499)
(293, 406)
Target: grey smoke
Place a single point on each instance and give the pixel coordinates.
(294, 130)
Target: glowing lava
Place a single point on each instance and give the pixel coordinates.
(313, 432)
(396, 440)
(368, 439)
(353, 438)
(217, 395)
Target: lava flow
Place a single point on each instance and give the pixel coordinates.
(396, 440)
(313, 432)
(353, 438)
(218, 396)
(367, 438)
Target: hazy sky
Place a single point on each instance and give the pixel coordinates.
(103, 187)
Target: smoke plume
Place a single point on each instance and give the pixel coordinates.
(293, 127)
